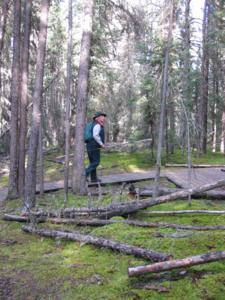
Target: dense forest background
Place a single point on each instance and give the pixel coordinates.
(149, 61)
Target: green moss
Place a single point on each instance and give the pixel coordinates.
(40, 268)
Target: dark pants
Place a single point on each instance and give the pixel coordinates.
(94, 157)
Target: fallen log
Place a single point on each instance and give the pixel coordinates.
(182, 212)
(100, 242)
(178, 263)
(97, 222)
(193, 166)
(22, 219)
(213, 194)
(131, 207)
(126, 208)
(147, 192)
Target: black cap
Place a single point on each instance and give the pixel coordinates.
(98, 114)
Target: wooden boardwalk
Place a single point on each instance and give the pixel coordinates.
(179, 177)
(199, 176)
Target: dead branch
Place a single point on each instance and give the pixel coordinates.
(178, 263)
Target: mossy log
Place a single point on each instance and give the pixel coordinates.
(99, 242)
(97, 222)
(178, 263)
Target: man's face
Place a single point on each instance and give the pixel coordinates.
(101, 120)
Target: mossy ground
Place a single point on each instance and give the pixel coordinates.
(32, 267)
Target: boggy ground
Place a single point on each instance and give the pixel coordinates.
(32, 267)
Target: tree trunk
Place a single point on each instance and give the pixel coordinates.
(68, 98)
(41, 158)
(30, 180)
(24, 94)
(186, 88)
(79, 178)
(223, 114)
(164, 98)
(203, 109)
(15, 92)
(3, 19)
(178, 263)
(100, 242)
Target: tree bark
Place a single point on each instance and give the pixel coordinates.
(15, 92)
(178, 263)
(100, 242)
(79, 178)
(68, 98)
(24, 94)
(30, 180)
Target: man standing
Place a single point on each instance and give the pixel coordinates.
(94, 145)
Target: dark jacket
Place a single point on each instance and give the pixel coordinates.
(93, 144)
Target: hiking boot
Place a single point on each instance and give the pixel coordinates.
(96, 180)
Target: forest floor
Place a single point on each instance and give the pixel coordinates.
(33, 267)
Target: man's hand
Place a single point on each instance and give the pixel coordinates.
(103, 146)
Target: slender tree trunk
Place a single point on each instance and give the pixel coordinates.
(41, 159)
(15, 92)
(186, 88)
(24, 94)
(30, 180)
(164, 98)
(222, 145)
(3, 20)
(186, 93)
(68, 97)
(79, 179)
(203, 111)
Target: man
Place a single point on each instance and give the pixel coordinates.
(95, 144)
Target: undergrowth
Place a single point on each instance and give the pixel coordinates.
(32, 267)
